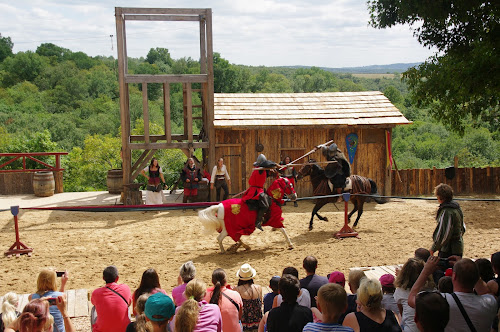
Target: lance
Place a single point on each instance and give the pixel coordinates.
(307, 154)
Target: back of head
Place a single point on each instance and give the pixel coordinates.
(149, 281)
(337, 277)
(466, 273)
(46, 281)
(409, 273)
(219, 281)
(140, 318)
(370, 293)
(187, 271)
(310, 264)
(495, 262)
(432, 312)
(187, 316)
(35, 316)
(110, 274)
(423, 254)
(159, 309)
(444, 191)
(354, 278)
(9, 306)
(445, 285)
(291, 270)
(289, 287)
(274, 283)
(485, 269)
(332, 298)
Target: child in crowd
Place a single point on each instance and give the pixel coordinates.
(337, 277)
(269, 297)
(445, 285)
(354, 281)
(332, 302)
(8, 310)
(159, 310)
(422, 253)
(388, 302)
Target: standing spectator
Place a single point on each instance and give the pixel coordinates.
(289, 173)
(304, 298)
(8, 310)
(46, 287)
(312, 282)
(478, 309)
(448, 235)
(228, 300)
(150, 283)
(191, 175)
(332, 301)
(289, 316)
(140, 324)
(269, 297)
(159, 310)
(187, 273)
(154, 189)
(111, 303)
(354, 280)
(251, 295)
(371, 315)
(432, 312)
(388, 302)
(220, 177)
(195, 314)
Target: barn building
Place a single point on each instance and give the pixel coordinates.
(292, 124)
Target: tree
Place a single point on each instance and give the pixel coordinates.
(24, 66)
(462, 79)
(6, 46)
(159, 54)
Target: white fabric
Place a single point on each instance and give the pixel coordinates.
(146, 169)
(154, 198)
(401, 297)
(389, 303)
(481, 310)
(303, 299)
(223, 171)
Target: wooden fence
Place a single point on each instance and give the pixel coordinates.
(467, 181)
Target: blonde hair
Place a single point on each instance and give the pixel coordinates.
(141, 324)
(46, 282)
(332, 298)
(187, 316)
(409, 273)
(355, 277)
(9, 306)
(370, 293)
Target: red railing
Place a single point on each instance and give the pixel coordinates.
(31, 156)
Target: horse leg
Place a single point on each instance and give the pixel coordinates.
(316, 208)
(360, 212)
(290, 244)
(244, 245)
(221, 237)
(355, 203)
(234, 247)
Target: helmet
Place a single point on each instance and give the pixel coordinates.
(333, 147)
(260, 160)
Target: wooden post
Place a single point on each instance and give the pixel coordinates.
(145, 111)
(58, 180)
(210, 92)
(166, 116)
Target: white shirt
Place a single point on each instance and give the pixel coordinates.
(223, 171)
(401, 297)
(303, 299)
(481, 310)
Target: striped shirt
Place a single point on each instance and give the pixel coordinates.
(325, 327)
(450, 227)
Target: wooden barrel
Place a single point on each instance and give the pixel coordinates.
(114, 181)
(203, 192)
(43, 184)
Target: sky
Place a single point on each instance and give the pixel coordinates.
(320, 33)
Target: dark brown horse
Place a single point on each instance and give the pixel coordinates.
(360, 185)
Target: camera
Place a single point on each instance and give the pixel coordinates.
(443, 263)
(60, 273)
(52, 301)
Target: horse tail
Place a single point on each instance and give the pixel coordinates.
(209, 219)
(374, 192)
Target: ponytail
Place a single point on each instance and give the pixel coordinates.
(216, 294)
(9, 306)
(35, 316)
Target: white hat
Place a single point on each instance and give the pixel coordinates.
(246, 272)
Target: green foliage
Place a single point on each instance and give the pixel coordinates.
(159, 55)
(6, 46)
(24, 66)
(462, 81)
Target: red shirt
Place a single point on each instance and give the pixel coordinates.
(256, 182)
(112, 311)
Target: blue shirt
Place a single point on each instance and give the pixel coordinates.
(324, 327)
(268, 301)
(54, 311)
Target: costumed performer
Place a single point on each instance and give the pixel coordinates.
(154, 192)
(221, 179)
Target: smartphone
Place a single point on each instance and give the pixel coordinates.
(52, 301)
(60, 273)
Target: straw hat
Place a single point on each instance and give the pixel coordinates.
(246, 272)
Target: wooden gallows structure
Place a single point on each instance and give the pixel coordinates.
(204, 86)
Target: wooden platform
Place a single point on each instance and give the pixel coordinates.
(77, 302)
(376, 272)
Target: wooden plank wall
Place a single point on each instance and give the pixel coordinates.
(467, 181)
(21, 183)
(369, 161)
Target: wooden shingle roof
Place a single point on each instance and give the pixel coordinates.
(252, 110)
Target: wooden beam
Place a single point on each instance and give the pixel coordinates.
(131, 17)
(203, 47)
(155, 138)
(227, 145)
(145, 111)
(143, 164)
(167, 78)
(209, 94)
(142, 157)
(161, 11)
(166, 115)
(291, 149)
(158, 146)
(189, 111)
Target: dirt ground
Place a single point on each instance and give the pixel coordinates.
(84, 243)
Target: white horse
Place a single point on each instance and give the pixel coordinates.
(214, 218)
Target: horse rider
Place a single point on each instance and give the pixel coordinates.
(255, 197)
(338, 172)
(289, 173)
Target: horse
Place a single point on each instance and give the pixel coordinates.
(360, 185)
(233, 217)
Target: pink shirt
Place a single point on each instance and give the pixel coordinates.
(209, 318)
(178, 295)
(112, 311)
(229, 313)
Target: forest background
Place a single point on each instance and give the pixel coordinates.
(55, 99)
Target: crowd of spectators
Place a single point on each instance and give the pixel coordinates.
(462, 300)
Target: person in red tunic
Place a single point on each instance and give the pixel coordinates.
(191, 176)
(255, 196)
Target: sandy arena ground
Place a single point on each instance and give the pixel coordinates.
(84, 243)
